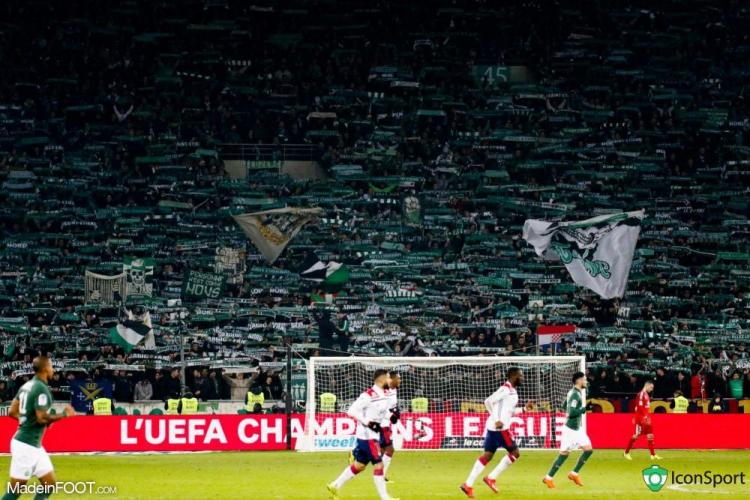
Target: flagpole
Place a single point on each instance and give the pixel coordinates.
(182, 356)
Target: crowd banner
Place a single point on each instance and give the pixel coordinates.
(336, 432)
(140, 275)
(230, 262)
(104, 289)
(200, 285)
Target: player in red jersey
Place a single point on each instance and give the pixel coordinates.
(642, 421)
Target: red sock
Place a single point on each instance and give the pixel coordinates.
(630, 445)
(651, 447)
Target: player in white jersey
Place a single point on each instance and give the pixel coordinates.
(501, 406)
(386, 442)
(369, 410)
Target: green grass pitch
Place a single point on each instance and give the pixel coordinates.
(416, 475)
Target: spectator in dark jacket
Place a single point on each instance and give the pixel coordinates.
(210, 388)
(273, 388)
(326, 329)
(683, 383)
(5, 393)
(664, 386)
(159, 385)
(123, 388)
(601, 385)
(172, 384)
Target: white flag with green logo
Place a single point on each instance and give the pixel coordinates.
(597, 252)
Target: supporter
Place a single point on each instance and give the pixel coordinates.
(123, 388)
(5, 392)
(683, 383)
(602, 384)
(735, 385)
(238, 385)
(717, 404)
(159, 386)
(172, 383)
(272, 387)
(143, 390)
(664, 385)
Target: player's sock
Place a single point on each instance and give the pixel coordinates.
(556, 465)
(345, 476)
(630, 445)
(582, 460)
(10, 496)
(476, 470)
(379, 478)
(506, 462)
(651, 447)
(387, 457)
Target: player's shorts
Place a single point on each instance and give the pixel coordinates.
(643, 427)
(573, 439)
(367, 451)
(27, 461)
(499, 439)
(386, 437)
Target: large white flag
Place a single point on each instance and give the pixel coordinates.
(271, 230)
(597, 252)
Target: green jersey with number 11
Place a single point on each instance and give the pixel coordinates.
(32, 396)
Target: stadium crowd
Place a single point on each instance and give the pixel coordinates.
(441, 127)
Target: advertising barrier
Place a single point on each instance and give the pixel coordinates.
(335, 432)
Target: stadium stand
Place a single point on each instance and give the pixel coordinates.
(435, 129)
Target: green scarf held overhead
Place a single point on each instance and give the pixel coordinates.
(386, 188)
(9, 350)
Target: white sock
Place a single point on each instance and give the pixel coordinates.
(475, 471)
(344, 477)
(380, 486)
(504, 464)
(386, 463)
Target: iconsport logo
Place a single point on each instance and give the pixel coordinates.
(655, 477)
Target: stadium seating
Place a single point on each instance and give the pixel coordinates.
(114, 145)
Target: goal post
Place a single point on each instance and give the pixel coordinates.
(441, 399)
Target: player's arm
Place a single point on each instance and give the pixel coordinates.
(357, 412)
(45, 418)
(42, 405)
(575, 408)
(14, 412)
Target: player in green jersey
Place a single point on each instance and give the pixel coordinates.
(31, 408)
(573, 435)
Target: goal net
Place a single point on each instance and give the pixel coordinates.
(441, 399)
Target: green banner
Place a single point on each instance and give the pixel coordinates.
(492, 75)
(200, 285)
(412, 211)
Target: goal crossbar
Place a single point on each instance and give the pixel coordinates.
(441, 399)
